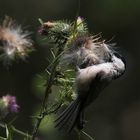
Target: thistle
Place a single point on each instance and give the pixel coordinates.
(8, 104)
(63, 31)
(14, 41)
(62, 34)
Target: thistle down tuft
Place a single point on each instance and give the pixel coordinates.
(14, 41)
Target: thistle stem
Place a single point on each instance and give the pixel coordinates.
(1, 138)
(21, 132)
(17, 131)
(47, 92)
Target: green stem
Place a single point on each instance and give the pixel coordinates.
(47, 91)
(17, 131)
(1, 138)
(21, 132)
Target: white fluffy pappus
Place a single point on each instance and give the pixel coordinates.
(14, 41)
(87, 51)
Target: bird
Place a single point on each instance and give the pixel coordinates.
(98, 67)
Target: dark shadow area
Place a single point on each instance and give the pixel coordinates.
(115, 115)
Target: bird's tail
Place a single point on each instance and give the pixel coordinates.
(70, 116)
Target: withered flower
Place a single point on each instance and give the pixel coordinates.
(8, 104)
(14, 41)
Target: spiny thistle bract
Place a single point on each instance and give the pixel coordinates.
(63, 31)
(14, 41)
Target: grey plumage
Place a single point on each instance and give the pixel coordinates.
(102, 65)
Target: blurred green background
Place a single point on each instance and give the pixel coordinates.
(115, 115)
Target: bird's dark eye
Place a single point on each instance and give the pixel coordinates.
(117, 54)
(120, 56)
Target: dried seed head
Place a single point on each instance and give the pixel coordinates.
(14, 41)
(86, 51)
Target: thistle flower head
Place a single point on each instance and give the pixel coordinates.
(10, 103)
(56, 32)
(14, 42)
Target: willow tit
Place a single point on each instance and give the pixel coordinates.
(102, 65)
